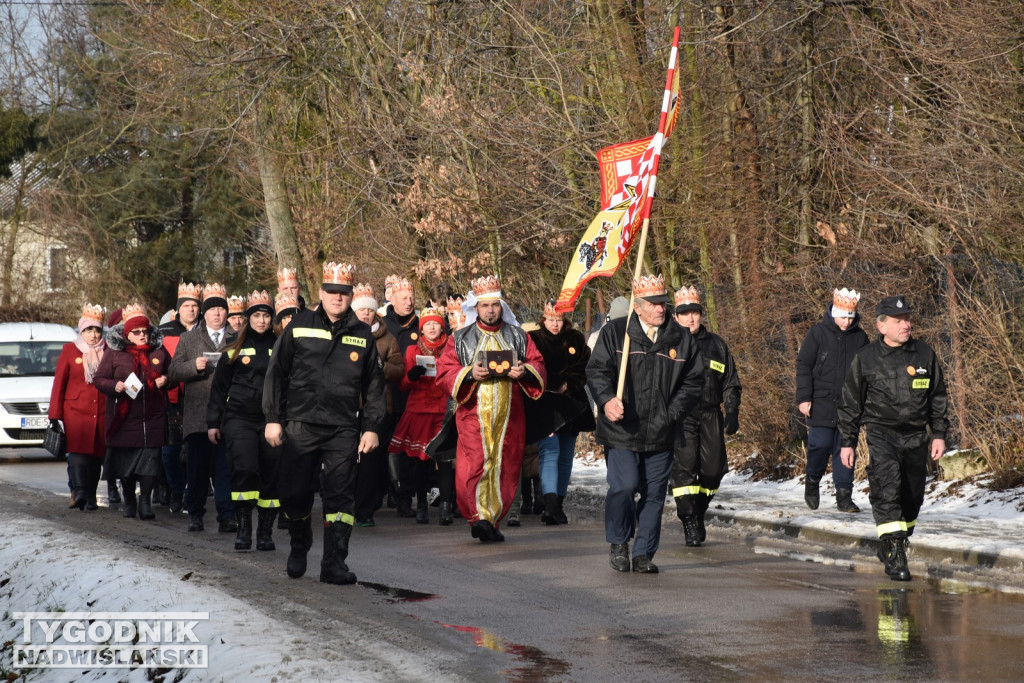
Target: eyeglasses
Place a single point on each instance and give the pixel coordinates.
(138, 333)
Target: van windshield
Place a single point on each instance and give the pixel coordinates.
(29, 358)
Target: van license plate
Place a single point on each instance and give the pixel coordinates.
(35, 422)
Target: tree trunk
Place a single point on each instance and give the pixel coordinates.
(279, 210)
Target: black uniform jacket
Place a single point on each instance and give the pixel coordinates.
(325, 374)
(721, 383)
(237, 389)
(899, 388)
(825, 356)
(565, 358)
(664, 382)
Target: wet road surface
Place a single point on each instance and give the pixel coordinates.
(545, 605)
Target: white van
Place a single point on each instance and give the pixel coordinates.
(28, 362)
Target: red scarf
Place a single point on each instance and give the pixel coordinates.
(433, 348)
(145, 371)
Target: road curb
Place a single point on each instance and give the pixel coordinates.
(1012, 559)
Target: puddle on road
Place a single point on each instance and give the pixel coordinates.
(538, 665)
(397, 594)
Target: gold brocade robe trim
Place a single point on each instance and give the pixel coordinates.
(494, 407)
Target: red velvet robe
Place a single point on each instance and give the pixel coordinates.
(492, 427)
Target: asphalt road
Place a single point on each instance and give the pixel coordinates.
(545, 605)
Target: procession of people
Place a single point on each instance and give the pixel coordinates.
(368, 405)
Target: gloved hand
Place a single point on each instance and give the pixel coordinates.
(415, 372)
(55, 425)
(732, 423)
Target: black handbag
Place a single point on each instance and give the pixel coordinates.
(56, 441)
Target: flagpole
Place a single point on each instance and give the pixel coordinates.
(666, 103)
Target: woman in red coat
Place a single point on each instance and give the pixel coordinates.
(76, 400)
(423, 415)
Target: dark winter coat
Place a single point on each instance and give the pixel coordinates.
(721, 382)
(406, 331)
(565, 358)
(391, 356)
(821, 366)
(237, 387)
(664, 382)
(900, 388)
(79, 404)
(191, 346)
(326, 373)
(146, 423)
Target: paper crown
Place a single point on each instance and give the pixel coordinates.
(488, 287)
(236, 305)
(688, 296)
(189, 290)
(285, 300)
(389, 283)
(401, 286)
(362, 290)
(338, 273)
(287, 277)
(454, 304)
(133, 310)
(256, 298)
(93, 314)
(456, 319)
(215, 290)
(845, 299)
(550, 312)
(649, 285)
(430, 313)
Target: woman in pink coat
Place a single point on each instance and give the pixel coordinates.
(76, 401)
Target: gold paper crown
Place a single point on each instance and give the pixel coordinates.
(287, 277)
(401, 286)
(430, 311)
(390, 280)
(284, 300)
(649, 285)
(845, 299)
(215, 290)
(687, 296)
(258, 298)
(549, 310)
(236, 305)
(338, 273)
(189, 290)
(133, 310)
(91, 312)
(488, 287)
(453, 304)
(460, 319)
(362, 290)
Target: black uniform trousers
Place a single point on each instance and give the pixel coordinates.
(319, 456)
(254, 463)
(896, 475)
(372, 478)
(699, 461)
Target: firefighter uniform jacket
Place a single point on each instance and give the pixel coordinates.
(326, 374)
(721, 383)
(237, 389)
(900, 388)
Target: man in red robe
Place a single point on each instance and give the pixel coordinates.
(490, 414)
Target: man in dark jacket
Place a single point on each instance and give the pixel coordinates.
(192, 366)
(404, 325)
(700, 461)
(324, 398)
(663, 383)
(824, 358)
(895, 389)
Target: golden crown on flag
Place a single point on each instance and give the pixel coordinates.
(845, 299)
(215, 290)
(362, 290)
(133, 310)
(338, 273)
(487, 287)
(236, 305)
(649, 285)
(285, 300)
(257, 298)
(93, 313)
(687, 296)
(189, 290)
(288, 277)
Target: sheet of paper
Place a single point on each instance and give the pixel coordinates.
(428, 362)
(133, 385)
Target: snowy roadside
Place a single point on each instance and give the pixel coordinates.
(42, 574)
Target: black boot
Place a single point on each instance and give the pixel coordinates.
(703, 503)
(243, 519)
(162, 495)
(486, 532)
(282, 522)
(113, 495)
(333, 568)
(811, 495)
(526, 491)
(421, 514)
(844, 501)
(177, 502)
(691, 531)
(131, 506)
(79, 474)
(92, 481)
(560, 512)
(446, 514)
(892, 552)
(539, 506)
(145, 499)
(550, 514)
(405, 507)
(265, 528)
(618, 557)
(301, 533)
